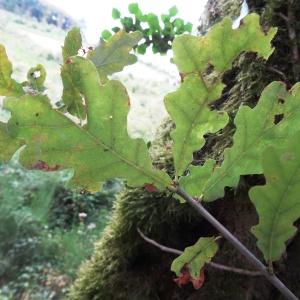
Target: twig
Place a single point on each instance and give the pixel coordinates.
(270, 68)
(276, 282)
(211, 264)
(159, 246)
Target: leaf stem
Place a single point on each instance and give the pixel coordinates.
(274, 280)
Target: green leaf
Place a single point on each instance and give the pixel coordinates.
(221, 45)
(112, 56)
(98, 151)
(72, 97)
(179, 24)
(141, 49)
(256, 130)
(173, 11)
(8, 145)
(36, 77)
(278, 202)
(153, 22)
(115, 14)
(188, 27)
(106, 35)
(189, 106)
(127, 22)
(8, 86)
(193, 120)
(73, 42)
(133, 8)
(195, 257)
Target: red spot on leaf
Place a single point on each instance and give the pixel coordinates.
(69, 61)
(128, 102)
(150, 188)
(198, 282)
(43, 166)
(185, 278)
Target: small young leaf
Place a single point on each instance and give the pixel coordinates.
(106, 35)
(8, 86)
(194, 257)
(36, 77)
(73, 42)
(188, 27)
(173, 11)
(141, 49)
(153, 22)
(278, 202)
(115, 14)
(133, 8)
(112, 56)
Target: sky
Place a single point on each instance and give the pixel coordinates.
(97, 13)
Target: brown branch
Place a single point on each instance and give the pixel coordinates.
(211, 264)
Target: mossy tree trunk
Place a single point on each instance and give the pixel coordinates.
(125, 267)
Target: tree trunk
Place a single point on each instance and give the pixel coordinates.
(125, 267)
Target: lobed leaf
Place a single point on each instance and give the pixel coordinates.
(278, 202)
(112, 56)
(256, 130)
(221, 45)
(189, 106)
(8, 145)
(194, 257)
(8, 86)
(73, 42)
(71, 97)
(98, 151)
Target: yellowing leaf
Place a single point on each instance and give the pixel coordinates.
(98, 151)
(278, 202)
(8, 86)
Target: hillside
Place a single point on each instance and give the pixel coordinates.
(29, 43)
